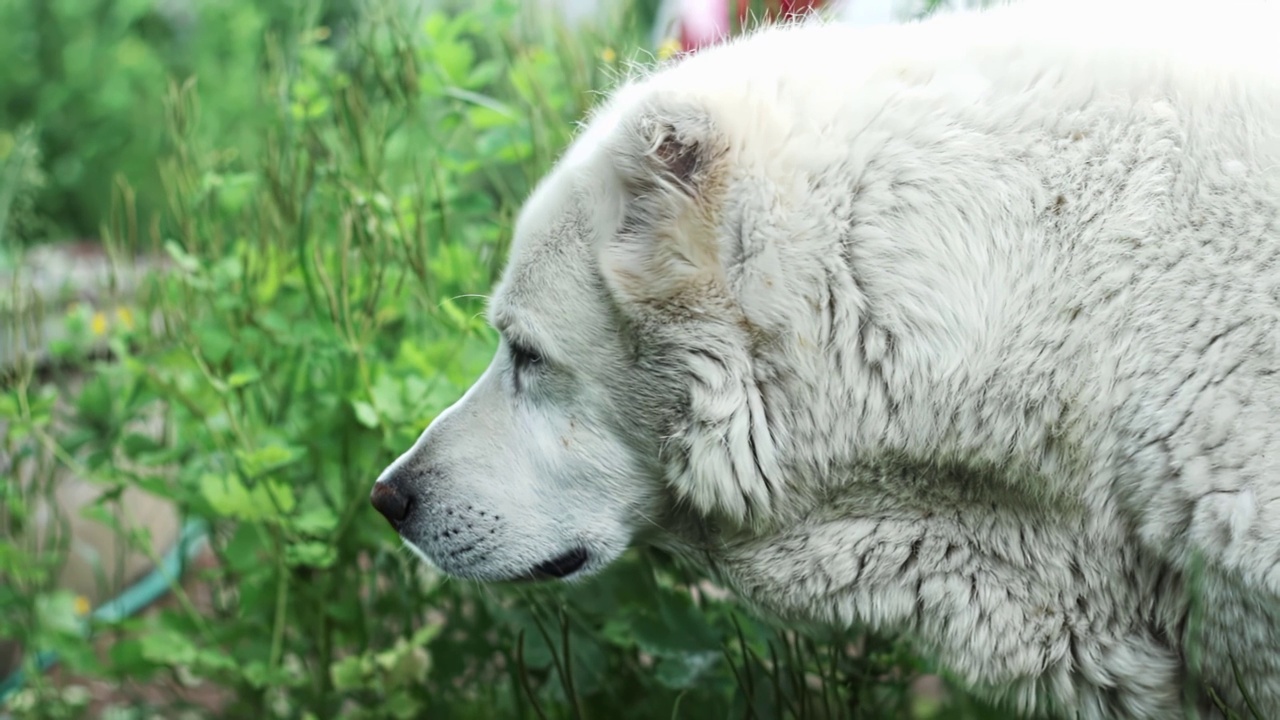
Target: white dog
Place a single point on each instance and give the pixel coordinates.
(967, 329)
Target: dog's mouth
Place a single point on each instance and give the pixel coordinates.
(559, 567)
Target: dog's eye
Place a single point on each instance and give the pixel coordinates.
(523, 357)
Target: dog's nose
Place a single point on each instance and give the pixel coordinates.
(390, 501)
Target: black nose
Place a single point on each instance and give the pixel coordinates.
(390, 501)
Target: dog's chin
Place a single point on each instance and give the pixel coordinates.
(573, 564)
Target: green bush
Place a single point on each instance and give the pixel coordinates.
(322, 305)
(86, 75)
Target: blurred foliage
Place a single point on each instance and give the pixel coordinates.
(86, 73)
(332, 190)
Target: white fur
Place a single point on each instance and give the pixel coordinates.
(968, 329)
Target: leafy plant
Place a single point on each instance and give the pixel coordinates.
(86, 75)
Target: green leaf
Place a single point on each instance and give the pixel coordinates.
(234, 191)
(215, 660)
(350, 673)
(96, 400)
(101, 514)
(228, 496)
(165, 646)
(185, 261)
(678, 627)
(8, 407)
(402, 706)
(485, 117)
(460, 320)
(404, 665)
(137, 445)
(684, 670)
(316, 521)
(56, 612)
(240, 379)
(365, 413)
(215, 343)
(127, 658)
(256, 463)
(618, 632)
(310, 554)
(257, 673)
(388, 399)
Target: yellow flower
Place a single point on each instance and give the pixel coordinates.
(125, 316)
(82, 605)
(668, 48)
(608, 55)
(99, 323)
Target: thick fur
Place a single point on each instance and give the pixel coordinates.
(967, 329)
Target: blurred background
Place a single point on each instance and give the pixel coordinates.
(244, 249)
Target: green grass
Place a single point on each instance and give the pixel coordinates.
(334, 200)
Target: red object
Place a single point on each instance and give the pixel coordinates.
(785, 9)
(706, 22)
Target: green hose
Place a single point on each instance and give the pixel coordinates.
(136, 597)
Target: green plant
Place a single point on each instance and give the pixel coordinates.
(86, 73)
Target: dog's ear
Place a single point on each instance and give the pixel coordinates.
(668, 147)
(664, 267)
(671, 161)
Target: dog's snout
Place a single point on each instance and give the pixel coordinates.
(390, 500)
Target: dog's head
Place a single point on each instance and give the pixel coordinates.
(622, 392)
